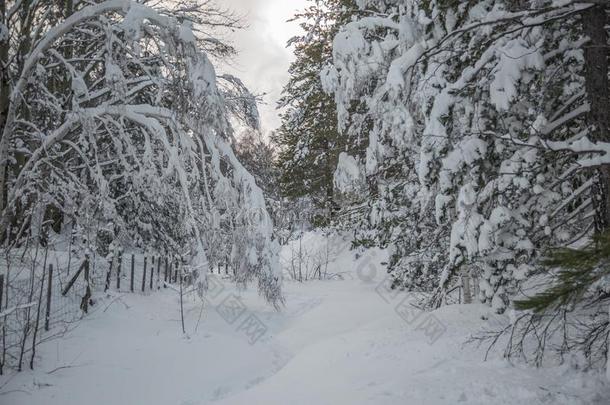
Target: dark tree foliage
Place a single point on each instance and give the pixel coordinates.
(309, 141)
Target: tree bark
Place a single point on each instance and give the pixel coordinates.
(4, 85)
(594, 22)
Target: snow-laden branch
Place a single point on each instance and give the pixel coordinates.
(127, 143)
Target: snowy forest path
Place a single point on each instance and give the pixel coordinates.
(335, 342)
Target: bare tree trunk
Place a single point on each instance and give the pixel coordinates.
(594, 22)
(4, 97)
(2, 322)
(23, 23)
(8, 273)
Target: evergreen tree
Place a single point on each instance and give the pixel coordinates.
(464, 99)
(308, 139)
(488, 138)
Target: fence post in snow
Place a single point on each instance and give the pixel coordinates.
(152, 271)
(74, 277)
(165, 272)
(181, 299)
(118, 272)
(1, 289)
(133, 262)
(49, 290)
(144, 275)
(84, 304)
(109, 274)
(158, 272)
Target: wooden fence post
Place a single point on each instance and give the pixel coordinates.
(118, 272)
(74, 277)
(158, 272)
(133, 261)
(47, 316)
(152, 271)
(181, 299)
(165, 273)
(109, 275)
(144, 275)
(84, 303)
(1, 290)
(37, 322)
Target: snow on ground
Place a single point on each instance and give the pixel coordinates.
(335, 342)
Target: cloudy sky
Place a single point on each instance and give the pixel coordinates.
(263, 57)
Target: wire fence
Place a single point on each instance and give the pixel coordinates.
(42, 297)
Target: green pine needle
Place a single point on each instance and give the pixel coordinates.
(580, 270)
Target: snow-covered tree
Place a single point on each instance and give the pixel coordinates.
(308, 140)
(116, 125)
(483, 117)
(465, 98)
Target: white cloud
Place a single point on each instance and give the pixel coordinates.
(263, 59)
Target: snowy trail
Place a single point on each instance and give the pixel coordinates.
(336, 342)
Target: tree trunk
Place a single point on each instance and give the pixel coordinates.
(594, 21)
(23, 25)
(4, 93)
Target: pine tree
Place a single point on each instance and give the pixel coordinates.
(578, 273)
(308, 140)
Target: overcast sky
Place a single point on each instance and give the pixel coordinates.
(263, 57)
